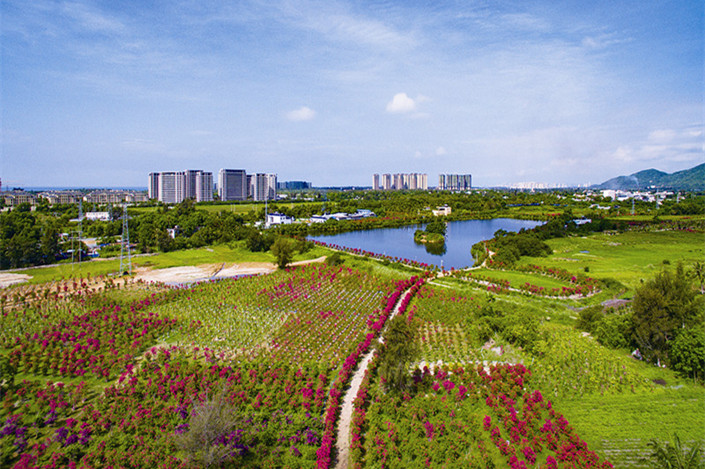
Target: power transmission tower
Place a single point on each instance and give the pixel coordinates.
(125, 260)
(77, 234)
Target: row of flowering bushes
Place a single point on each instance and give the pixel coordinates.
(578, 285)
(583, 285)
(99, 342)
(466, 416)
(341, 381)
(137, 421)
(374, 255)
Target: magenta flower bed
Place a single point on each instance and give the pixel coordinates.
(466, 414)
(98, 343)
(135, 422)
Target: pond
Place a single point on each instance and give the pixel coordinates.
(399, 242)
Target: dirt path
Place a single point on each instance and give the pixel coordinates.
(342, 442)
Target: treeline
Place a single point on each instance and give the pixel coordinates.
(26, 239)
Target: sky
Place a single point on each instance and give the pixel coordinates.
(101, 93)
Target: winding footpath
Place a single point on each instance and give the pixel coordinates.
(342, 441)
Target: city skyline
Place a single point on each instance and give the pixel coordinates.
(95, 94)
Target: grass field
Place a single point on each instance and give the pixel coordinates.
(626, 257)
(234, 252)
(620, 426)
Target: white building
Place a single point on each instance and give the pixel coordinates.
(172, 187)
(262, 186)
(97, 216)
(278, 219)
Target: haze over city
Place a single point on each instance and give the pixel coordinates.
(103, 93)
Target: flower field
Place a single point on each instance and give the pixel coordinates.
(135, 423)
(309, 313)
(466, 417)
(267, 348)
(444, 321)
(103, 380)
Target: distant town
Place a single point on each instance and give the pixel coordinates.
(173, 187)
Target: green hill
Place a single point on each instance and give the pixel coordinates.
(692, 179)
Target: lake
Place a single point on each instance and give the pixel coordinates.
(399, 242)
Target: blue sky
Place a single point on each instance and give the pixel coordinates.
(100, 93)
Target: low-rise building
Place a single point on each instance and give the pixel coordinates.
(278, 219)
(443, 211)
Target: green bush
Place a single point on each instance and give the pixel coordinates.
(614, 330)
(687, 353)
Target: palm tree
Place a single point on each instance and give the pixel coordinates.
(676, 456)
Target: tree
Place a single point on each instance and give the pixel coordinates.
(663, 306)
(399, 351)
(283, 250)
(211, 437)
(698, 273)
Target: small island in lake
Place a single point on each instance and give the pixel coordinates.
(434, 234)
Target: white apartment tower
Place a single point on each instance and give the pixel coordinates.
(400, 181)
(172, 187)
(262, 186)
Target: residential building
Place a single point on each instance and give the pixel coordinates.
(173, 187)
(153, 186)
(15, 198)
(204, 186)
(454, 182)
(109, 196)
(262, 186)
(232, 184)
(400, 181)
(278, 219)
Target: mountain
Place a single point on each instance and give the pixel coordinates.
(692, 179)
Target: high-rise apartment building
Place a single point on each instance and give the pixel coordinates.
(204, 186)
(232, 184)
(262, 186)
(400, 181)
(172, 187)
(454, 182)
(153, 186)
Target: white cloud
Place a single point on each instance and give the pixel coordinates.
(664, 145)
(401, 103)
(440, 151)
(304, 113)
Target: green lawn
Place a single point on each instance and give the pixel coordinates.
(626, 257)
